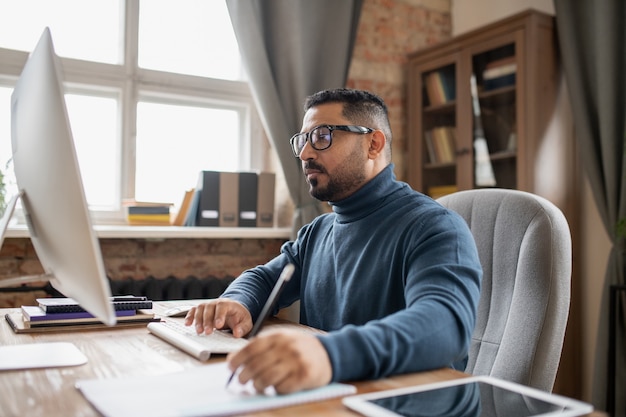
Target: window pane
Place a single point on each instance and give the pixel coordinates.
(87, 30)
(175, 143)
(95, 130)
(195, 38)
(5, 127)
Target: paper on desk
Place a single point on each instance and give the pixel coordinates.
(199, 391)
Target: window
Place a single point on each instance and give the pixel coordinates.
(155, 93)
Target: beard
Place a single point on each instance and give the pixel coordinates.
(348, 177)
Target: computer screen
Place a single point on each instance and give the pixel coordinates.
(50, 185)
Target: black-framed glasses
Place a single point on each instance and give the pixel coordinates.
(321, 137)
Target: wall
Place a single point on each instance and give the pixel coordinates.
(472, 14)
(388, 30)
(143, 258)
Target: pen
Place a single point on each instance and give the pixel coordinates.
(284, 277)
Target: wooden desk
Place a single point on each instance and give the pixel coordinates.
(133, 351)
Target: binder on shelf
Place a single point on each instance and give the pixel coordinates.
(228, 199)
(248, 191)
(231, 199)
(265, 199)
(209, 205)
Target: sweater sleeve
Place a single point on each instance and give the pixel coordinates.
(441, 290)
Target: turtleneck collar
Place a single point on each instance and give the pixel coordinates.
(367, 199)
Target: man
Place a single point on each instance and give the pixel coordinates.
(392, 276)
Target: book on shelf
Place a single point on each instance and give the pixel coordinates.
(437, 191)
(441, 144)
(181, 214)
(430, 147)
(440, 87)
(148, 219)
(192, 213)
(147, 213)
(500, 73)
(500, 62)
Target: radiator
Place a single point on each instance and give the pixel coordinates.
(171, 288)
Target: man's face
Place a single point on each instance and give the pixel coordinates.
(337, 172)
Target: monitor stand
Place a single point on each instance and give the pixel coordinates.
(4, 223)
(33, 355)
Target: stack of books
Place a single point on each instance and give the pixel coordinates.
(147, 213)
(56, 312)
(440, 87)
(499, 73)
(441, 144)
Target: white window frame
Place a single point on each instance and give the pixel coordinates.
(128, 83)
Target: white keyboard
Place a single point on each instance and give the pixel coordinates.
(199, 346)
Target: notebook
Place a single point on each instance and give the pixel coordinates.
(476, 396)
(198, 391)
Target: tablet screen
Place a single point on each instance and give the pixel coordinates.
(476, 399)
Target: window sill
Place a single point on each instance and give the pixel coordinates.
(173, 232)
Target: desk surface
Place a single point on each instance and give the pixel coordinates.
(133, 351)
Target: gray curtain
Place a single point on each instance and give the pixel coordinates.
(291, 49)
(592, 37)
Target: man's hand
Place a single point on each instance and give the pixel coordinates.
(288, 360)
(220, 313)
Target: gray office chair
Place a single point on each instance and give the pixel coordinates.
(524, 245)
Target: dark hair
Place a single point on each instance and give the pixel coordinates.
(359, 107)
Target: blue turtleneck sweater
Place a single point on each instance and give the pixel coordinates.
(391, 275)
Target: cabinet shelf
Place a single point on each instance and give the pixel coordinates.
(515, 65)
(528, 135)
(448, 107)
(503, 155)
(497, 97)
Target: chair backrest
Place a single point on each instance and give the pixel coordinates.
(525, 249)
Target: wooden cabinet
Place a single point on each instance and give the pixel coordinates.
(515, 65)
(527, 126)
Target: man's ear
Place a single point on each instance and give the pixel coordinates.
(377, 144)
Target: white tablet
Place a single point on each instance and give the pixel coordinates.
(475, 396)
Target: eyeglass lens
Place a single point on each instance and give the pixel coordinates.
(320, 139)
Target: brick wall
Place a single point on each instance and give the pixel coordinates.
(388, 31)
(141, 258)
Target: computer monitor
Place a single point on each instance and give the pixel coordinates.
(50, 186)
